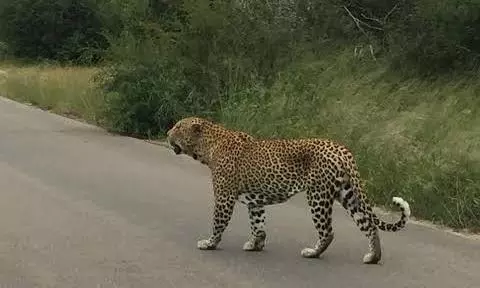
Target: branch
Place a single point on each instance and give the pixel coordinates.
(372, 19)
(372, 53)
(385, 18)
(358, 22)
(390, 12)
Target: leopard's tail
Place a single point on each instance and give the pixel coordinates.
(393, 227)
(363, 214)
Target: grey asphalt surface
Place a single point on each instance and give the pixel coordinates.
(81, 208)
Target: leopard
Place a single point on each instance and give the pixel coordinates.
(258, 172)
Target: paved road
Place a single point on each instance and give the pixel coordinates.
(80, 208)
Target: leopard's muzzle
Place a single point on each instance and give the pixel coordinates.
(176, 148)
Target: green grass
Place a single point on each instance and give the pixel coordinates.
(413, 138)
(418, 139)
(69, 91)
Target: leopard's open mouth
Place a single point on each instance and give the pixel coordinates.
(176, 149)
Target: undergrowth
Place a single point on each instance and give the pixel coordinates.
(418, 139)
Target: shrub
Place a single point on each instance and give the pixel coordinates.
(64, 30)
(201, 51)
(187, 64)
(428, 36)
(140, 102)
(440, 36)
(146, 94)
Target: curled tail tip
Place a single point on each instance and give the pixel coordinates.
(403, 205)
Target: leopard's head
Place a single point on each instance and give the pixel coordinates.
(185, 137)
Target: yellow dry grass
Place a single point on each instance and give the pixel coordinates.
(64, 90)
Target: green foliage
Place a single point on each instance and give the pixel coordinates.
(225, 46)
(412, 138)
(149, 98)
(196, 59)
(63, 30)
(438, 36)
(140, 103)
(426, 36)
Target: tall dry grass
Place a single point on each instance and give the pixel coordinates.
(64, 90)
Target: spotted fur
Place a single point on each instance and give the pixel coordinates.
(261, 172)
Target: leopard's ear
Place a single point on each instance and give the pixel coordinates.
(196, 129)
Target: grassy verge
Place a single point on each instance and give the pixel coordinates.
(64, 90)
(413, 138)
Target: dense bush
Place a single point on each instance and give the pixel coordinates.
(141, 102)
(64, 30)
(225, 46)
(212, 50)
(412, 33)
(430, 36)
(217, 47)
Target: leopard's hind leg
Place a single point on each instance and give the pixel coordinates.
(363, 216)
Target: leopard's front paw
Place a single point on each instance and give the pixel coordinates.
(206, 244)
(255, 243)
